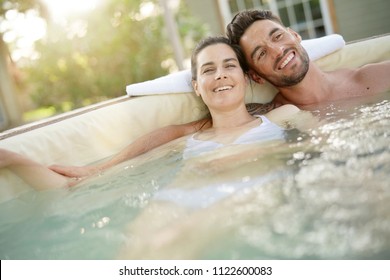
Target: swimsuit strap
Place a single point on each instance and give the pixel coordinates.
(263, 118)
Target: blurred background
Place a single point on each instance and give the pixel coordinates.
(59, 55)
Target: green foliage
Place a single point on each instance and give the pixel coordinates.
(97, 56)
(20, 5)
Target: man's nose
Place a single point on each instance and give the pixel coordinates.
(278, 50)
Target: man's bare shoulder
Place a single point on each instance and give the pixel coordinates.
(377, 71)
(371, 78)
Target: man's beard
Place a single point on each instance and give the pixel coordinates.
(297, 77)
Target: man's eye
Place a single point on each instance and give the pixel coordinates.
(261, 54)
(278, 36)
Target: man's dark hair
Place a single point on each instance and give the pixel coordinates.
(242, 20)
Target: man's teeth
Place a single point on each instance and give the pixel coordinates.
(287, 60)
(222, 88)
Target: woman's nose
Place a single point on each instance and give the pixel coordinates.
(220, 74)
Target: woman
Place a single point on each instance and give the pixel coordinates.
(219, 77)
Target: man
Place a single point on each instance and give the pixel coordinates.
(273, 53)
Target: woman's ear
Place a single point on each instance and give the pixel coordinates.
(195, 87)
(255, 77)
(247, 79)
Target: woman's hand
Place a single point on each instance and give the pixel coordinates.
(74, 171)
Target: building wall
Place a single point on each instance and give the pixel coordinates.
(357, 19)
(208, 12)
(353, 19)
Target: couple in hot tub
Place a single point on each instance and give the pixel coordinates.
(258, 47)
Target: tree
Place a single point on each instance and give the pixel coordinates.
(99, 55)
(8, 87)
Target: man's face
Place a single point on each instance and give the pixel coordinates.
(275, 53)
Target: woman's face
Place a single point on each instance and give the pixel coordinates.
(220, 80)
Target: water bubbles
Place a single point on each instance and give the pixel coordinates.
(316, 140)
(139, 200)
(299, 155)
(101, 223)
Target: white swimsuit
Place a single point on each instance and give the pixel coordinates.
(207, 195)
(266, 131)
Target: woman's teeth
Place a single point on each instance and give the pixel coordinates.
(222, 88)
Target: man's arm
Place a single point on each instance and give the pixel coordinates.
(140, 146)
(373, 78)
(260, 109)
(290, 116)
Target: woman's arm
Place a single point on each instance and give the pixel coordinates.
(40, 177)
(139, 146)
(33, 173)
